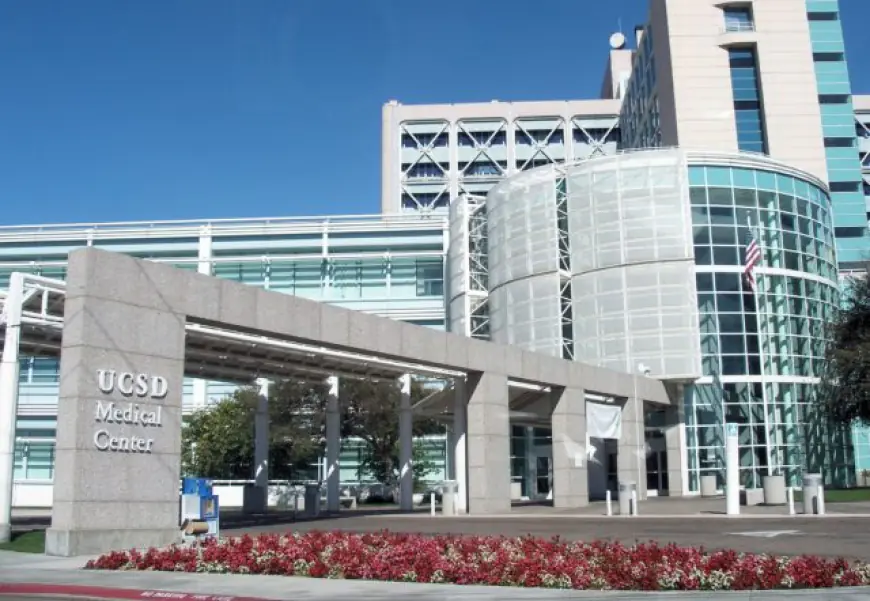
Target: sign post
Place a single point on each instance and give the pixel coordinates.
(732, 471)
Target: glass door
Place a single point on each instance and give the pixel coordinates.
(542, 476)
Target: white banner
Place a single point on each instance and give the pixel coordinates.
(603, 421)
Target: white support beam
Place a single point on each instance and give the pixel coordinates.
(9, 367)
(406, 446)
(460, 453)
(333, 445)
(261, 436)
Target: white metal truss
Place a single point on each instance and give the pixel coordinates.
(425, 150)
(599, 138)
(428, 191)
(565, 292)
(478, 268)
(482, 142)
(542, 152)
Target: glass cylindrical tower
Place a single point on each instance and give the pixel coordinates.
(640, 258)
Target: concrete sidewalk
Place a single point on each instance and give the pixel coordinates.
(23, 568)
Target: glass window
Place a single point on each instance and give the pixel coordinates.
(738, 18)
(430, 278)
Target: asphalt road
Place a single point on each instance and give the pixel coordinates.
(827, 536)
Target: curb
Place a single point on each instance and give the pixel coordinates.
(98, 592)
(648, 516)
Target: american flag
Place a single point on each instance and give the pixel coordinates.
(751, 258)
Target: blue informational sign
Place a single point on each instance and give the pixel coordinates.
(731, 429)
(201, 487)
(200, 504)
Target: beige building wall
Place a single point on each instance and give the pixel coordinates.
(695, 96)
(601, 113)
(617, 72)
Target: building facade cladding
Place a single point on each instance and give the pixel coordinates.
(640, 115)
(433, 154)
(779, 67)
(655, 242)
(391, 266)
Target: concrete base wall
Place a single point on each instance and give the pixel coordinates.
(70, 543)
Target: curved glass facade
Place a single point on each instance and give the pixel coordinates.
(763, 352)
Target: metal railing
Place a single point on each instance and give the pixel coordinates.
(739, 26)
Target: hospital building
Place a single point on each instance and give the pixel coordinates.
(609, 230)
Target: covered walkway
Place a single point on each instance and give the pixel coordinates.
(133, 316)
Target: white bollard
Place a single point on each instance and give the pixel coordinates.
(634, 502)
(609, 504)
(821, 499)
(432, 503)
(790, 493)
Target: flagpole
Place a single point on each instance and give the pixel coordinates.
(757, 298)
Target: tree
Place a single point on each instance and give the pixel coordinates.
(845, 393)
(372, 414)
(219, 440)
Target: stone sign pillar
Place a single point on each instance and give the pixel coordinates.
(117, 467)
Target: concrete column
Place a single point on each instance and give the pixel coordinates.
(261, 438)
(675, 445)
(9, 372)
(570, 478)
(333, 446)
(256, 497)
(460, 449)
(116, 482)
(406, 446)
(450, 453)
(631, 458)
(488, 428)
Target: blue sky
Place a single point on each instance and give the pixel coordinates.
(180, 109)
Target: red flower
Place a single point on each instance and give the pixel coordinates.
(525, 561)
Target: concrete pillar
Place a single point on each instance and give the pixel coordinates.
(406, 446)
(631, 458)
(450, 453)
(570, 477)
(9, 372)
(256, 496)
(261, 437)
(333, 446)
(675, 445)
(488, 428)
(460, 450)
(116, 483)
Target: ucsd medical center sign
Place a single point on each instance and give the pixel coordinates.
(109, 413)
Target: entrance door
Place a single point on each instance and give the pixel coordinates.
(657, 473)
(543, 473)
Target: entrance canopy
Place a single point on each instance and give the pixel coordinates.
(129, 330)
(236, 333)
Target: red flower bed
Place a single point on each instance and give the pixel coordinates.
(527, 561)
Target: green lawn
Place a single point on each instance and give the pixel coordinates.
(845, 495)
(26, 542)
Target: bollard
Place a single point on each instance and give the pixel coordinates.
(790, 493)
(625, 497)
(812, 485)
(432, 503)
(821, 499)
(634, 502)
(609, 504)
